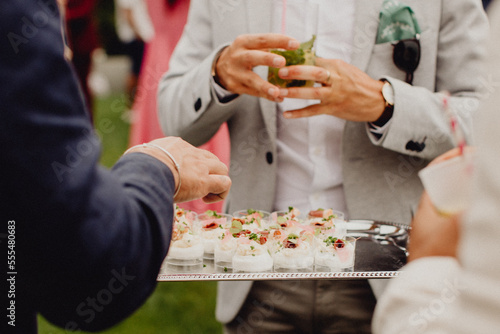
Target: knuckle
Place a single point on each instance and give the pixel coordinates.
(260, 41)
(338, 63)
(224, 168)
(269, 59)
(247, 57)
(317, 93)
(318, 73)
(239, 40)
(293, 71)
(234, 58)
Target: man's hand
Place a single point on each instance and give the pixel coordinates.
(234, 67)
(346, 91)
(201, 173)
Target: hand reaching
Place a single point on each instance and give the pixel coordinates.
(201, 174)
(235, 65)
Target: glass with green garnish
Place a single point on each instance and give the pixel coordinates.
(300, 21)
(304, 55)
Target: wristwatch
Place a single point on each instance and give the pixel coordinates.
(388, 95)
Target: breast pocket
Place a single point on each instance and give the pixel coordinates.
(381, 63)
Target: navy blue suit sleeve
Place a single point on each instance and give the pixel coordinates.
(90, 241)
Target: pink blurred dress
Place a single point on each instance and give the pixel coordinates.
(168, 23)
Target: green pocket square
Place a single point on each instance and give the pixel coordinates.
(397, 22)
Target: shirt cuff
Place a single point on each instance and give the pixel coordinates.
(223, 95)
(377, 132)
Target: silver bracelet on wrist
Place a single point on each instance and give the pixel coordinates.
(176, 165)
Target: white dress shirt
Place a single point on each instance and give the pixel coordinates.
(310, 149)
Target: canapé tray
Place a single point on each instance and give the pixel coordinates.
(380, 253)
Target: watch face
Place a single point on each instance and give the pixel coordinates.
(388, 93)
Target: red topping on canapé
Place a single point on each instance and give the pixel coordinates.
(289, 244)
(339, 244)
(264, 233)
(211, 226)
(316, 213)
(242, 221)
(242, 232)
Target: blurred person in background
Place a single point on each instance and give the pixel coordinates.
(452, 281)
(83, 39)
(134, 29)
(168, 18)
(88, 242)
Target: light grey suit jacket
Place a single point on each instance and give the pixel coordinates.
(380, 178)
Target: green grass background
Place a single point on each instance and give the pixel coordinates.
(174, 307)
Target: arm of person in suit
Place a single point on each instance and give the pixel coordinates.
(429, 278)
(348, 93)
(187, 101)
(420, 299)
(90, 241)
(440, 294)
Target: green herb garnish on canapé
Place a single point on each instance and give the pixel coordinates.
(304, 55)
(236, 227)
(212, 213)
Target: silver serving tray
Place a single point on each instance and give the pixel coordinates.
(380, 253)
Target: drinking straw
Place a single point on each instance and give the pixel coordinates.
(455, 127)
(283, 18)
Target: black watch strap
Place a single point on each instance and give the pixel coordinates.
(386, 116)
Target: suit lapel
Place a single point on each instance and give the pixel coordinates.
(365, 31)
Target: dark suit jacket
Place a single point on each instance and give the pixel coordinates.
(86, 242)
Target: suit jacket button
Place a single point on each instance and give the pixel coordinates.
(197, 104)
(269, 157)
(415, 146)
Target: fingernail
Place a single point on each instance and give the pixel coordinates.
(278, 62)
(283, 72)
(272, 91)
(283, 92)
(293, 44)
(287, 115)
